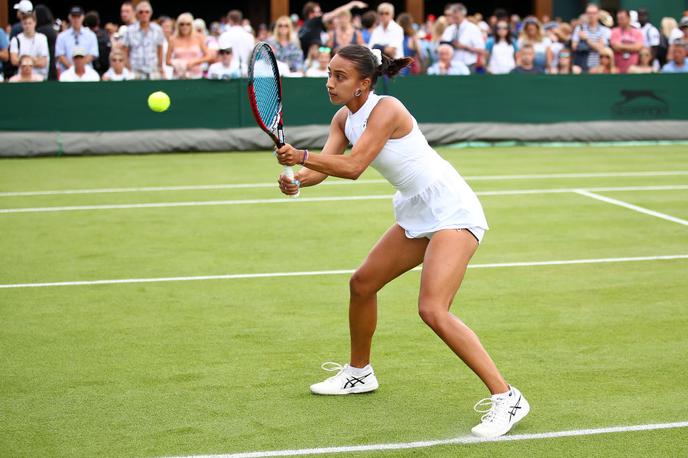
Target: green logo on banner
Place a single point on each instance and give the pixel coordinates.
(644, 104)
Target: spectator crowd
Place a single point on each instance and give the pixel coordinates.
(39, 47)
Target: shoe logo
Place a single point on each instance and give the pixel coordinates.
(514, 408)
(353, 381)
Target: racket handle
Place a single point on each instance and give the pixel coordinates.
(289, 173)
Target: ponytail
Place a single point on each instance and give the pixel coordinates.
(391, 67)
(366, 63)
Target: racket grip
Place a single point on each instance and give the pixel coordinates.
(289, 173)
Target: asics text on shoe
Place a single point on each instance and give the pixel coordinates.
(502, 413)
(347, 380)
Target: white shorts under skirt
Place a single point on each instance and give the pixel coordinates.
(447, 203)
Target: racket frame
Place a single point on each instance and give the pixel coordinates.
(276, 133)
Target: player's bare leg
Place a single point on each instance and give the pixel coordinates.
(444, 266)
(393, 255)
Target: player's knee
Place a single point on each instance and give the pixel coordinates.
(431, 315)
(360, 285)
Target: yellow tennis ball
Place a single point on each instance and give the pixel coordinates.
(158, 101)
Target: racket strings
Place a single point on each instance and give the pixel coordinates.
(266, 89)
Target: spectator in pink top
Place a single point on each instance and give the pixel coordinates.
(626, 41)
(187, 50)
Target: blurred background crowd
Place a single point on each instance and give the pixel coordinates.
(76, 46)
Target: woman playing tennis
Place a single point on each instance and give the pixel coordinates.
(439, 223)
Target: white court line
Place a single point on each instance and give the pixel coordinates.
(337, 182)
(335, 272)
(621, 203)
(281, 200)
(454, 441)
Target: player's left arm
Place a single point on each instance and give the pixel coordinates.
(385, 119)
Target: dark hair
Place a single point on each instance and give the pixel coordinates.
(308, 9)
(43, 15)
(405, 20)
(235, 16)
(623, 11)
(92, 19)
(368, 19)
(508, 37)
(364, 61)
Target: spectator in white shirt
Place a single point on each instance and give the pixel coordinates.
(26, 73)
(117, 70)
(320, 71)
(650, 32)
(464, 36)
(446, 65)
(388, 36)
(228, 66)
(79, 71)
(76, 36)
(240, 40)
(31, 43)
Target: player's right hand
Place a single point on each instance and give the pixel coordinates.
(287, 186)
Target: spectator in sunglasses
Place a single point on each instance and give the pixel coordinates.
(565, 64)
(26, 73)
(320, 71)
(117, 71)
(228, 67)
(501, 50)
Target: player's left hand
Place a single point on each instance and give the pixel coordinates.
(288, 155)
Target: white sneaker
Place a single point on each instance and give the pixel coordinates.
(502, 412)
(349, 380)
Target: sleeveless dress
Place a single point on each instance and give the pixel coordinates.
(431, 195)
(187, 54)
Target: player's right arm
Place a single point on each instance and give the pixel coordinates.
(336, 144)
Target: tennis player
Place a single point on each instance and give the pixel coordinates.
(439, 223)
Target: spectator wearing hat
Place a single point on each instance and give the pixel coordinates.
(678, 63)
(76, 36)
(526, 59)
(626, 41)
(464, 36)
(33, 44)
(239, 39)
(228, 66)
(80, 71)
(23, 8)
(143, 44)
(589, 38)
(118, 70)
(681, 33)
(26, 73)
(388, 36)
(446, 64)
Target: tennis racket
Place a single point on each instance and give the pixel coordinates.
(265, 96)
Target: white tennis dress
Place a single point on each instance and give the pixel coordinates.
(431, 195)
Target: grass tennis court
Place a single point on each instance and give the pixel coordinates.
(197, 366)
